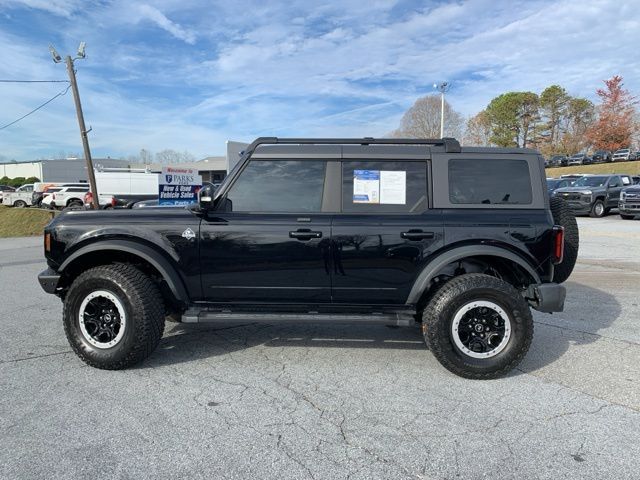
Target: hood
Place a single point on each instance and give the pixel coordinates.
(576, 189)
(632, 188)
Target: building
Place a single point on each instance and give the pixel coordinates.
(212, 169)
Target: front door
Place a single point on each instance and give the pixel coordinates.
(269, 242)
(385, 233)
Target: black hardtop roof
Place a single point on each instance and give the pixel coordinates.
(269, 147)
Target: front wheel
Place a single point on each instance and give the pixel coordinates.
(598, 209)
(478, 326)
(113, 316)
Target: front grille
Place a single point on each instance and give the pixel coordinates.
(632, 196)
(571, 196)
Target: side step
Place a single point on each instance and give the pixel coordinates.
(195, 315)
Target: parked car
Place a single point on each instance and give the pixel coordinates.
(5, 188)
(19, 198)
(621, 155)
(554, 183)
(594, 195)
(635, 179)
(600, 156)
(633, 156)
(39, 189)
(558, 161)
(65, 197)
(579, 159)
(629, 204)
(326, 230)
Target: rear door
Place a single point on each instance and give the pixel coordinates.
(385, 231)
(269, 240)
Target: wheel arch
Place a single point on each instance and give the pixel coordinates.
(437, 265)
(113, 251)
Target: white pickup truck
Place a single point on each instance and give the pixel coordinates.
(70, 196)
(20, 198)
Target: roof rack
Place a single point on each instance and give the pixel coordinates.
(451, 145)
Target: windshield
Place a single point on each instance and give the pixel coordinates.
(626, 150)
(597, 181)
(552, 183)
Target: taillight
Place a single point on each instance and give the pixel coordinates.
(113, 201)
(47, 242)
(558, 244)
(88, 197)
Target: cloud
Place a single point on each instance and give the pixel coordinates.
(296, 68)
(64, 8)
(147, 12)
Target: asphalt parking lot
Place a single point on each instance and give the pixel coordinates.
(328, 402)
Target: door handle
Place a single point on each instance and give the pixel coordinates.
(304, 234)
(416, 235)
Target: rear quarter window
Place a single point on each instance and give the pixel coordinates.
(489, 182)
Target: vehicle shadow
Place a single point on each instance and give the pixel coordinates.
(587, 310)
(189, 342)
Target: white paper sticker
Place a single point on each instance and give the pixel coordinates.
(393, 187)
(366, 186)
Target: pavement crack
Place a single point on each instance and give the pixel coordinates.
(35, 357)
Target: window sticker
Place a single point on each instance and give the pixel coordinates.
(366, 186)
(393, 187)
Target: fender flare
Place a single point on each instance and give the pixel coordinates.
(168, 271)
(434, 266)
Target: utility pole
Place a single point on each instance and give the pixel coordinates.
(443, 87)
(83, 129)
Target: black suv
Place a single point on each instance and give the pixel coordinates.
(594, 195)
(462, 241)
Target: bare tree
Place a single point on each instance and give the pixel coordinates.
(422, 120)
(478, 131)
(146, 156)
(172, 156)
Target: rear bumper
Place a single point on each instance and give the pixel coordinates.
(49, 280)
(547, 297)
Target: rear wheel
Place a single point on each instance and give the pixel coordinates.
(19, 204)
(563, 216)
(113, 316)
(478, 326)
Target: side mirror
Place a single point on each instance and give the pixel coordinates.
(205, 197)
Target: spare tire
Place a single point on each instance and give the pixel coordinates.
(563, 216)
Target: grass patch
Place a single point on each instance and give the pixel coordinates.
(629, 168)
(22, 222)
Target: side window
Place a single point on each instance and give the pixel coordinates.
(384, 186)
(279, 186)
(614, 182)
(489, 182)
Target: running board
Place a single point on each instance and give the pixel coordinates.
(211, 316)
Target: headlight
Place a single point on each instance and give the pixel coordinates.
(587, 192)
(623, 195)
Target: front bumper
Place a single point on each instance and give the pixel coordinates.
(629, 208)
(49, 280)
(547, 297)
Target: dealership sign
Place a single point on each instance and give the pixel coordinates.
(178, 186)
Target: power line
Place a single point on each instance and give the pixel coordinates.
(34, 81)
(37, 108)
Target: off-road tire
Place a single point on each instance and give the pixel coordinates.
(595, 209)
(627, 217)
(563, 216)
(20, 204)
(439, 314)
(144, 309)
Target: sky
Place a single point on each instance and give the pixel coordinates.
(189, 75)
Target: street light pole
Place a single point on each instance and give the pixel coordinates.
(83, 129)
(443, 87)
